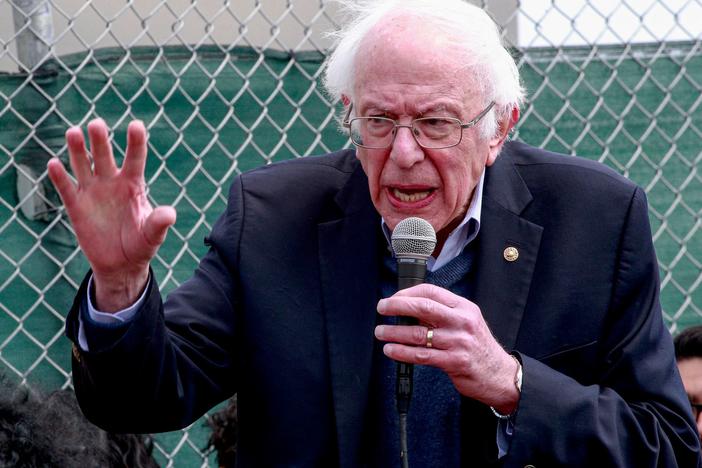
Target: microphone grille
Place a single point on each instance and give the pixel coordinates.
(413, 237)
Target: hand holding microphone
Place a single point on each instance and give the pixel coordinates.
(462, 344)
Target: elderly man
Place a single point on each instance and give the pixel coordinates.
(539, 340)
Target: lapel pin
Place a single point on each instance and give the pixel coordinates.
(511, 254)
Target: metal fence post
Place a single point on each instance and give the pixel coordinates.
(35, 31)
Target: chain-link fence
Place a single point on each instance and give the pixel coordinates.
(227, 86)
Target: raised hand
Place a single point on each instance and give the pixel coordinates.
(461, 343)
(116, 226)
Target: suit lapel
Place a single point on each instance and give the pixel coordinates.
(348, 259)
(502, 282)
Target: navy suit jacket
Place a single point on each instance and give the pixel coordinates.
(281, 310)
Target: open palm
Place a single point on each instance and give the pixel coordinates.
(116, 226)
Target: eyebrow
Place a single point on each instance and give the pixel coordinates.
(437, 108)
(420, 111)
(432, 103)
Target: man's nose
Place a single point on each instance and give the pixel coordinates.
(406, 152)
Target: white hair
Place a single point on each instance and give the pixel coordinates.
(470, 27)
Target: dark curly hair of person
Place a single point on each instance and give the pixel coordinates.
(688, 344)
(49, 431)
(225, 430)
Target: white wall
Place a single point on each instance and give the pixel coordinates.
(581, 22)
(80, 24)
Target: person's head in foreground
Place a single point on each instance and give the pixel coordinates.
(688, 353)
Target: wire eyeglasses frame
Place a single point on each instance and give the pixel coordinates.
(347, 123)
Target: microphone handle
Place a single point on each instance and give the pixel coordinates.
(410, 272)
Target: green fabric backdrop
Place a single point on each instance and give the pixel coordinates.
(634, 107)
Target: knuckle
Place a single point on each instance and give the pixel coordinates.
(462, 361)
(469, 323)
(418, 335)
(430, 307)
(463, 303)
(464, 322)
(422, 356)
(458, 364)
(428, 289)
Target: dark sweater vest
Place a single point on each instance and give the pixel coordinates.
(433, 428)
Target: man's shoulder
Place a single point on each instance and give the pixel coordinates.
(537, 164)
(338, 164)
(313, 184)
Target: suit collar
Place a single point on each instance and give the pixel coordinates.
(502, 286)
(504, 185)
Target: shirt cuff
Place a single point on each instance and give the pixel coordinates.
(505, 429)
(105, 319)
(505, 424)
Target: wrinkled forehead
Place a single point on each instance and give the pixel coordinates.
(405, 49)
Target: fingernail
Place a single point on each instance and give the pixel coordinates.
(379, 331)
(387, 350)
(381, 305)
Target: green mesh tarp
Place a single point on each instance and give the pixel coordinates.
(213, 113)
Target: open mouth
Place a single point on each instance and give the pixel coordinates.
(411, 195)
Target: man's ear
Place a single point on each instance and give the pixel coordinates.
(345, 100)
(504, 127)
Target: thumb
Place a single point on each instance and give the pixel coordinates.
(157, 223)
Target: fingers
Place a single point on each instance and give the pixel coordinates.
(424, 310)
(419, 335)
(427, 303)
(452, 319)
(416, 355)
(462, 345)
(415, 335)
(410, 345)
(135, 160)
(449, 350)
(101, 149)
(63, 183)
(157, 223)
(430, 291)
(78, 155)
(453, 363)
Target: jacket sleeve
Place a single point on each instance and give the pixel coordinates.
(636, 414)
(172, 362)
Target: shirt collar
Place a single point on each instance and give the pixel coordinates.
(461, 236)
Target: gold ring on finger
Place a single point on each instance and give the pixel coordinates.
(430, 336)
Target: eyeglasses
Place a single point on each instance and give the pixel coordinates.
(696, 409)
(429, 132)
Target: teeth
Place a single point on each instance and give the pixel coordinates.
(410, 197)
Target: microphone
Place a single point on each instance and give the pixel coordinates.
(413, 240)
